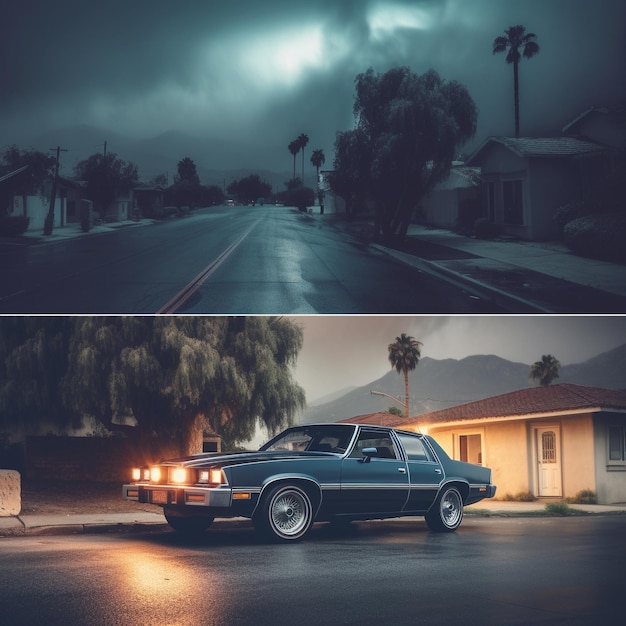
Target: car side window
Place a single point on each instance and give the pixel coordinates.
(414, 448)
(374, 439)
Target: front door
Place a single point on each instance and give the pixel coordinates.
(549, 461)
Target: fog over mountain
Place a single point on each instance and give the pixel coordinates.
(439, 384)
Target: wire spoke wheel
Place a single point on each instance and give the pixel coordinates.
(446, 513)
(451, 508)
(287, 514)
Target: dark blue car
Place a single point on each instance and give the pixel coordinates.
(320, 472)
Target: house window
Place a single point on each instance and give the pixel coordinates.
(512, 205)
(548, 447)
(491, 201)
(617, 444)
(470, 449)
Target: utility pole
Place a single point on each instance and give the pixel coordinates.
(48, 224)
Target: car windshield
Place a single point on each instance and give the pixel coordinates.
(324, 438)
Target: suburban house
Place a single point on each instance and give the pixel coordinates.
(526, 179)
(552, 442)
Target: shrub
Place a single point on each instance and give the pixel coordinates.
(599, 236)
(485, 229)
(13, 224)
(568, 212)
(522, 496)
(586, 496)
(558, 508)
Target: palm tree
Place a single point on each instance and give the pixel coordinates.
(294, 148)
(545, 371)
(404, 355)
(516, 37)
(303, 140)
(317, 160)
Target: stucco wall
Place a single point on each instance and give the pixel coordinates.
(577, 461)
(505, 450)
(510, 451)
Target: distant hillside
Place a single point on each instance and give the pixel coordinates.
(439, 384)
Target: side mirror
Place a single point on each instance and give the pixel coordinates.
(368, 453)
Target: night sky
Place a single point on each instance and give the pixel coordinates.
(262, 72)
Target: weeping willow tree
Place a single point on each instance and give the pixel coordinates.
(161, 378)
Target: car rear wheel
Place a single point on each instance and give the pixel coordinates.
(286, 513)
(446, 513)
(192, 525)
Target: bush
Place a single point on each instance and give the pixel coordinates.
(586, 496)
(558, 508)
(568, 212)
(14, 224)
(485, 229)
(598, 236)
(522, 496)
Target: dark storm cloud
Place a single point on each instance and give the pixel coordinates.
(269, 70)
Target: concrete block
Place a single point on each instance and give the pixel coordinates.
(10, 493)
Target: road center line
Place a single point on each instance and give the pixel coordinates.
(172, 305)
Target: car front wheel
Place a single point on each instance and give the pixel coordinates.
(446, 514)
(285, 514)
(193, 525)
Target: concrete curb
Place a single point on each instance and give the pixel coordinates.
(51, 525)
(479, 289)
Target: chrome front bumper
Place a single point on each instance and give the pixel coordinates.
(163, 495)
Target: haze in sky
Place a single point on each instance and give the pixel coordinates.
(263, 72)
(346, 351)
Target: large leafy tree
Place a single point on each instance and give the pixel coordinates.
(517, 43)
(349, 177)
(250, 189)
(106, 177)
(409, 127)
(155, 378)
(187, 171)
(404, 355)
(545, 371)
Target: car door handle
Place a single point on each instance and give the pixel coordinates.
(437, 471)
(402, 470)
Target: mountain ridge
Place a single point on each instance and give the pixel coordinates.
(439, 384)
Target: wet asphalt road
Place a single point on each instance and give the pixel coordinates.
(491, 571)
(222, 260)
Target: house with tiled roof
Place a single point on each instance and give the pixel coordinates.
(526, 179)
(552, 441)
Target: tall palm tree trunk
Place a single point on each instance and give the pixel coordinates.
(516, 96)
(406, 393)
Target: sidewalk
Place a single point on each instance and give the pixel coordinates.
(29, 525)
(542, 277)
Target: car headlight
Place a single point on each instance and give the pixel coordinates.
(155, 474)
(211, 476)
(178, 475)
(140, 474)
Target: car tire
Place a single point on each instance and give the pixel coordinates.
(192, 525)
(446, 514)
(285, 513)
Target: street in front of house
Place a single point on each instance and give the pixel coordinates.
(220, 260)
(492, 570)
